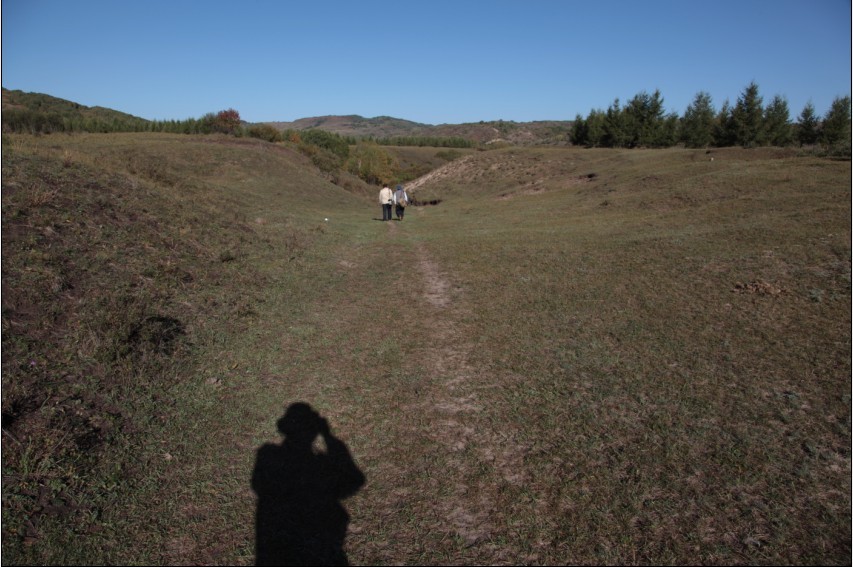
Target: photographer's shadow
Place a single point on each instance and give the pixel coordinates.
(300, 518)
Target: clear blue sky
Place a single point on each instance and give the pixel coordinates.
(430, 61)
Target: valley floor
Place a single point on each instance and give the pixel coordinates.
(577, 357)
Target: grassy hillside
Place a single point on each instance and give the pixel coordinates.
(129, 261)
(578, 356)
(356, 126)
(15, 99)
(547, 132)
(665, 342)
(36, 112)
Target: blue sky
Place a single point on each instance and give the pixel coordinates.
(429, 61)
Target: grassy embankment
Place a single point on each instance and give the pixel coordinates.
(610, 357)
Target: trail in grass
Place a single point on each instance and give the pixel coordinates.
(375, 336)
(470, 456)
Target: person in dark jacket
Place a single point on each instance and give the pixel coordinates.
(401, 200)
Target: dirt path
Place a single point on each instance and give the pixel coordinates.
(478, 458)
(452, 402)
(442, 470)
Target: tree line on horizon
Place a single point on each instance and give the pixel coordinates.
(41, 119)
(642, 122)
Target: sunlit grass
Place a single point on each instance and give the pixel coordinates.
(637, 357)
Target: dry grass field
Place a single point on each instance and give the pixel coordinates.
(578, 356)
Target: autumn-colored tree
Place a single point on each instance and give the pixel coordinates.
(227, 121)
(371, 163)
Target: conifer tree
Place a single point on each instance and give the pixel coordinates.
(670, 130)
(697, 126)
(615, 135)
(579, 131)
(777, 122)
(835, 132)
(588, 131)
(724, 127)
(644, 121)
(595, 129)
(748, 117)
(807, 126)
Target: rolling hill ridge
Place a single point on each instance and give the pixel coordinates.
(551, 132)
(381, 127)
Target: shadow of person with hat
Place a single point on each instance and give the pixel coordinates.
(300, 519)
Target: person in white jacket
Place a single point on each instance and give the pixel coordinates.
(386, 199)
(401, 200)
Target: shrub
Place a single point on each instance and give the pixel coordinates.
(264, 132)
(328, 141)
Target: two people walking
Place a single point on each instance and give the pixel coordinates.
(389, 199)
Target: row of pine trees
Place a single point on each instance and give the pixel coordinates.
(643, 122)
(37, 121)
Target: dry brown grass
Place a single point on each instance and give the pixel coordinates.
(671, 412)
(639, 357)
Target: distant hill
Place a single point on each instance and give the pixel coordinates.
(550, 132)
(546, 132)
(68, 115)
(357, 126)
(46, 104)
